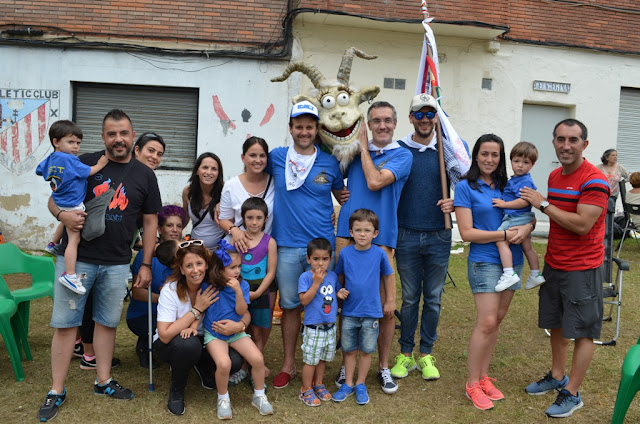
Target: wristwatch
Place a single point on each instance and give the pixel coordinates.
(195, 314)
(543, 205)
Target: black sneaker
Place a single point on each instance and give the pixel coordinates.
(176, 401)
(341, 377)
(49, 408)
(91, 365)
(78, 350)
(207, 379)
(113, 389)
(387, 383)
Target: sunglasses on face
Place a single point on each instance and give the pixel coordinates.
(191, 242)
(419, 115)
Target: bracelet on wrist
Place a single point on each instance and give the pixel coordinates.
(58, 214)
(244, 326)
(505, 235)
(144, 264)
(231, 228)
(199, 311)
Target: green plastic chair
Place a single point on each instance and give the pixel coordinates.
(8, 310)
(629, 384)
(42, 272)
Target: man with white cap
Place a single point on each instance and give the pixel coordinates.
(304, 178)
(375, 179)
(422, 252)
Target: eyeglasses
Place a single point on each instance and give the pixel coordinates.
(419, 115)
(190, 242)
(377, 121)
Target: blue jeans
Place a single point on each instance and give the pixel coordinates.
(359, 334)
(108, 285)
(422, 258)
(292, 262)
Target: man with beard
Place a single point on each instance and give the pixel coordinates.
(422, 252)
(104, 260)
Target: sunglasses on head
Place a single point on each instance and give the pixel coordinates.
(150, 136)
(419, 115)
(184, 244)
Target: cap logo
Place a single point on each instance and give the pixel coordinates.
(424, 97)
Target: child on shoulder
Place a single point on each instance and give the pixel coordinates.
(517, 211)
(359, 269)
(318, 290)
(259, 270)
(224, 274)
(67, 177)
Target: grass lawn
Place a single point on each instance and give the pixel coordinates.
(522, 355)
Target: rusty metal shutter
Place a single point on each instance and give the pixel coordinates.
(171, 112)
(628, 144)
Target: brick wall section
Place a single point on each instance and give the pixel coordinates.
(260, 21)
(528, 20)
(246, 21)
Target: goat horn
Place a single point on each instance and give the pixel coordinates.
(311, 71)
(347, 60)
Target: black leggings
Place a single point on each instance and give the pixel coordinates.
(184, 354)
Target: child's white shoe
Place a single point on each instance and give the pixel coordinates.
(534, 281)
(506, 281)
(73, 282)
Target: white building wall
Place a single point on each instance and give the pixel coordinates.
(238, 83)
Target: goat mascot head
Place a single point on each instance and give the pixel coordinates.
(337, 103)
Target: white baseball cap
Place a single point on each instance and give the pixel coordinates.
(422, 100)
(304, 108)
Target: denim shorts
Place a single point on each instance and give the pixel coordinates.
(483, 276)
(292, 262)
(108, 285)
(359, 334)
(509, 220)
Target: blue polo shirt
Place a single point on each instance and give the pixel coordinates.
(512, 192)
(383, 202)
(303, 214)
(485, 217)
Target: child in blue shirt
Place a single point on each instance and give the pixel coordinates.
(67, 177)
(224, 274)
(517, 211)
(318, 289)
(359, 268)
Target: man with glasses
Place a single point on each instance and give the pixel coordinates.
(375, 179)
(105, 260)
(422, 253)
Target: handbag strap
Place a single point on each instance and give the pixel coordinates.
(266, 189)
(204, 215)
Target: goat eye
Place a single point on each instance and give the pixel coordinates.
(343, 99)
(328, 102)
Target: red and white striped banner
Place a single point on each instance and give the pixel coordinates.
(21, 139)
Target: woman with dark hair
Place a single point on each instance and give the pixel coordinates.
(478, 222)
(253, 182)
(149, 149)
(169, 228)
(200, 197)
(181, 302)
(613, 171)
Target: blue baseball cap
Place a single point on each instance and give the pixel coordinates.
(304, 108)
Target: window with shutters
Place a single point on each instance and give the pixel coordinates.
(171, 112)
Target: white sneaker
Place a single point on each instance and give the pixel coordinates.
(224, 409)
(506, 281)
(73, 283)
(263, 405)
(534, 281)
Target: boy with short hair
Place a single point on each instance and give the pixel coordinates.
(67, 176)
(359, 269)
(318, 290)
(517, 211)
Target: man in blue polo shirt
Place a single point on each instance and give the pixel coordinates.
(375, 179)
(304, 178)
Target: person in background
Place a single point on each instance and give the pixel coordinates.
(612, 170)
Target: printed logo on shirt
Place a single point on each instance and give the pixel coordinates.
(321, 178)
(381, 164)
(327, 291)
(119, 201)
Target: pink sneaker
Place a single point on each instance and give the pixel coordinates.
(478, 397)
(489, 389)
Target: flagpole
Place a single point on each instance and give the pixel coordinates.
(434, 92)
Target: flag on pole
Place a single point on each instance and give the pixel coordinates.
(456, 157)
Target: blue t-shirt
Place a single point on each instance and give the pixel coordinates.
(224, 308)
(362, 270)
(383, 202)
(485, 217)
(67, 177)
(159, 274)
(512, 192)
(323, 307)
(303, 214)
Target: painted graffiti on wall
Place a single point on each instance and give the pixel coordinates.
(240, 125)
(24, 119)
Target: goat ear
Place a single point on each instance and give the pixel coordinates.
(303, 97)
(368, 93)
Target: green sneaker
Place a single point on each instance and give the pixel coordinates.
(403, 365)
(429, 370)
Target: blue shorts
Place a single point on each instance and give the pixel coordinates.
(292, 262)
(509, 220)
(483, 276)
(359, 334)
(208, 337)
(106, 283)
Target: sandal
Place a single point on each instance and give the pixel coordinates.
(309, 397)
(238, 377)
(321, 392)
